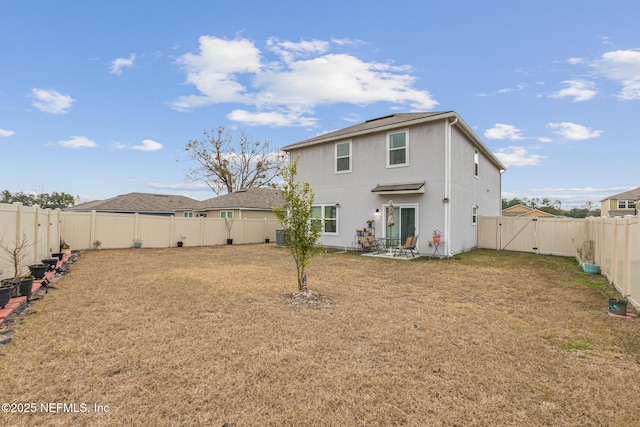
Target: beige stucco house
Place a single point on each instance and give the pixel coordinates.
(621, 204)
(252, 203)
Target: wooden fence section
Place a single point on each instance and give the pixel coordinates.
(617, 243)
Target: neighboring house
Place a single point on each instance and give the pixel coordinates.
(142, 203)
(436, 170)
(252, 203)
(525, 211)
(621, 204)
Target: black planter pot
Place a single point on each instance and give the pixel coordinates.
(58, 255)
(229, 241)
(5, 294)
(51, 262)
(25, 287)
(180, 244)
(39, 270)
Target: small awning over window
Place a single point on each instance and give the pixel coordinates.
(408, 188)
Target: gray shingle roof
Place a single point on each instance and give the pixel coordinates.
(627, 195)
(251, 198)
(381, 123)
(138, 202)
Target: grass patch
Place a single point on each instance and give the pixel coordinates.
(214, 335)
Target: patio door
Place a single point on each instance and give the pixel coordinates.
(405, 222)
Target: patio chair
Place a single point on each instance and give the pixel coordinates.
(409, 246)
(367, 246)
(375, 244)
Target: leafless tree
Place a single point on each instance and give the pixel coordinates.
(16, 253)
(225, 168)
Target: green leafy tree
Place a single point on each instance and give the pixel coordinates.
(226, 169)
(301, 231)
(44, 200)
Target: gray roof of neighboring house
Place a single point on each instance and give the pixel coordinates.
(137, 202)
(251, 198)
(627, 195)
(394, 121)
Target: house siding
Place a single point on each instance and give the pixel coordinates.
(427, 162)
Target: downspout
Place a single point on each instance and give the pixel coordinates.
(447, 184)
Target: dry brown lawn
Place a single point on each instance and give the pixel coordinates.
(208, 336)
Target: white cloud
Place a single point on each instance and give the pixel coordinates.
(78, 142)
(622, 66)
(51, 101)
(545, 139)
(575, 61)
(147, 145)
(518, 156)
(573, 131)
(119, 63)
(6, 133)
(579, 90)
(302, 76)
(273, 118)
(503, 131)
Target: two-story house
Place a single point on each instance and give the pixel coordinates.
(432, 167)
(621, 204)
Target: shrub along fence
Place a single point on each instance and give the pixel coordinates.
(617, 243)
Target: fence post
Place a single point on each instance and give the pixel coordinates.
(626, 262)
(92, 228)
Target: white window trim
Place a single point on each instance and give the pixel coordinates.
(226, 214)
(323, 218)
(187, 214)
(406, 148)
(350, 156)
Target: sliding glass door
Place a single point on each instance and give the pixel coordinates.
(405, 218)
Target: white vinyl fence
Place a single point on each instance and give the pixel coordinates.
(617, 243)
(40, 227)
(81, 230)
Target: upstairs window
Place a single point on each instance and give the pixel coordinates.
(226, 214)
(343, 157)
(187, 214)
(397, 149)
(476, 158)
(626, 204)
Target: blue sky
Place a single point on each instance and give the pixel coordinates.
(99, 98)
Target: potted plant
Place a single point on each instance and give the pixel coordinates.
(181, 241)
(64, 248)
(436, 236)
(228, 222)
(137, 243)
(370, 223)
(5, 292)
(97, 245)
(266, 240)
(618, 307)
(17, 253)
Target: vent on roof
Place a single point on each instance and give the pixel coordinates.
(380, 118)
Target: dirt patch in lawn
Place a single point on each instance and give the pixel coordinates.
(207, 336)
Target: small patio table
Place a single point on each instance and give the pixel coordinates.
(436, 249)
(389, 243)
